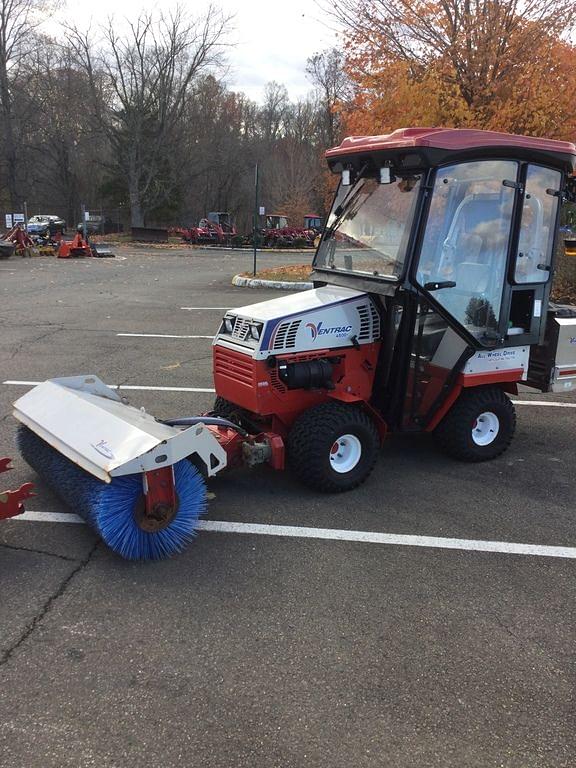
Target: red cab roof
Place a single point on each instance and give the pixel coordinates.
(456, 139)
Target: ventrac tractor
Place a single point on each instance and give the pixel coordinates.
(430, 307)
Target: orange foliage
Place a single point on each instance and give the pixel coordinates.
(527, 85)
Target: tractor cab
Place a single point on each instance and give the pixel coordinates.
(465, 220)
(222, 219)
(313, 221)
(276, 221)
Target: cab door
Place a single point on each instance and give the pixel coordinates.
(464, 252)
(531, 267)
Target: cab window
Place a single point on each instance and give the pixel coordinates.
(465, 246)
(539, 211)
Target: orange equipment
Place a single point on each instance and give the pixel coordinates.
(76, 247)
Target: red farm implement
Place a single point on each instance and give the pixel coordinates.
(11, 501)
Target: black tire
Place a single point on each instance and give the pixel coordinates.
(314, 436)
(456, 432)
(227, 410)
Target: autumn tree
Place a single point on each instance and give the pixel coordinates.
(457, 62)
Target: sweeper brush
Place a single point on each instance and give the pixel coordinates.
(116, 510)
(134, 479)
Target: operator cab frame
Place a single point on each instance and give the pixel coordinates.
(466, 220)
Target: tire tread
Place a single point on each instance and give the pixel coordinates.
(306, 444)
(453, 431)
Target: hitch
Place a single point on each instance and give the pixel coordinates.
(11, 501)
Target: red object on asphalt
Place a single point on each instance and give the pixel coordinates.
(73, 248)
(11, 501)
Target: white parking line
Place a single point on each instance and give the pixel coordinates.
(550, 403)
(335, 534)
(194, 309)
(163, 336)
(14, 383)
(123, 386)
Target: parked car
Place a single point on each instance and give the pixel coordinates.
(95, 225)
(45, 225)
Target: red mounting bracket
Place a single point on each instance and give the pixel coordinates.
(11, 501)
(160, 500)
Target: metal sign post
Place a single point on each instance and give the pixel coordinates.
(255, 229)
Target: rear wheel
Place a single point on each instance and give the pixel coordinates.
(479, 426)
(333, 447)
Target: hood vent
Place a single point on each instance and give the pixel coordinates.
(369, 322)
(241, 329)
(285, 337)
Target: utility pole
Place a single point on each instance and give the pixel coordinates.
(84, 227)
(255, 228)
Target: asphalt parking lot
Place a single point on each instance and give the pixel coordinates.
(266, 651)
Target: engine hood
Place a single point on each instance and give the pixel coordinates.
(330, 317)
(316, 298)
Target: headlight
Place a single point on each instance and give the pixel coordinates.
(255, 331)
(228, 324)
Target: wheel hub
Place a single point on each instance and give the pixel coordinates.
(345, 453)
(485, 428)
(156, 519)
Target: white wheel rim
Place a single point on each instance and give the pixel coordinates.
(345, 453)
(485, 429)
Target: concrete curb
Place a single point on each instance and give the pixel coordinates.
(282, 285)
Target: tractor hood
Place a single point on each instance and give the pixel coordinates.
(330, 317)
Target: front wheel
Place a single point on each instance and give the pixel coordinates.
(333, 447)
(479, 426)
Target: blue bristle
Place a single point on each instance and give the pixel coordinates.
(109, 507)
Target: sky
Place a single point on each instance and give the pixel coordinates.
(272, 39)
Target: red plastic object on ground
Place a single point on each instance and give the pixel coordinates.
(74, 248)
(11, 501)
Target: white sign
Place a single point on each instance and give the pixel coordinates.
(86, 215)
(262, 210)
(18, 218)
(8, 221)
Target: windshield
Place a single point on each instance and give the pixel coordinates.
(369, 227)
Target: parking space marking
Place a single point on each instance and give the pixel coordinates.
(335, 534)
(550, 403)
(14, 383)
(163, 336)
(123, 386)
(193, 309)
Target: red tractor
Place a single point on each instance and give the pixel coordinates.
(277, 233)
(216, 229)
(430, 306)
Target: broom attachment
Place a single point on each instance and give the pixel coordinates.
(127, 474)
(88, 423)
